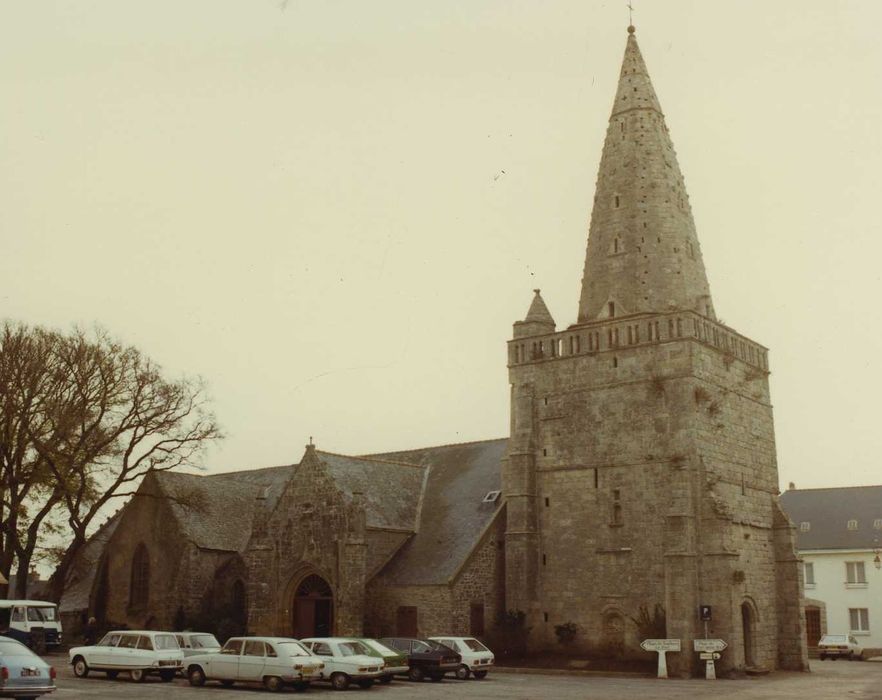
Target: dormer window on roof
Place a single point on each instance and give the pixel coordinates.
(805, 526)
(491, 497)
(852, 524)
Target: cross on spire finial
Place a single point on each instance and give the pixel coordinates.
(630, 18)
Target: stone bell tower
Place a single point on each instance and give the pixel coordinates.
(641, 478)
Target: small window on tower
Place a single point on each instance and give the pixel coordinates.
(617, 201)
(611, 308)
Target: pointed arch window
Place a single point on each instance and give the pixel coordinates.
(139, 588)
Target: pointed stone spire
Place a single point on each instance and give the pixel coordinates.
(537, 321)
(642, 246)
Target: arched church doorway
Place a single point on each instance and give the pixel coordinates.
(748, 623)
(313, 608)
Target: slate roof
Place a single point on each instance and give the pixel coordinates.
(391, 489)
(204, 505)
(828, 511)
(453, 516)
(79, 588)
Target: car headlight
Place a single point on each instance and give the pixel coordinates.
(363, 669)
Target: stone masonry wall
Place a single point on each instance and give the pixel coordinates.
(656, 483)
(147, 520)
(314, 529)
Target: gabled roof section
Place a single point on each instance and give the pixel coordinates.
(454, 515)
(391, 489)
(214, 512)
(828, 512)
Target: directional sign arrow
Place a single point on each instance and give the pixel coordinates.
(708, 645)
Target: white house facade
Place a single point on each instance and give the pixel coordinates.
(839, 542)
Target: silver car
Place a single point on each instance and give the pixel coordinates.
(23, 674)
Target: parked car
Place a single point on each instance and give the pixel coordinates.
(193, 643)
(425, 658)
(834, 646)
(276, 662)
(346, 661)
(138, 652)
(23, 674)
(476, 658)
(395, 662)
(32, 622)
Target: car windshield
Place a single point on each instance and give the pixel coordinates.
(41, 613)
(475, 645)
(292, 649)
(834, 639)
(380, 647)
(166, 641)
(110, 640)
(353, 649)
(204, 641)
(422, 647)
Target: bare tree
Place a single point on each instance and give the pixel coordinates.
(100, 417)
(28, 489)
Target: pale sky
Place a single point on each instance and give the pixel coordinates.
(305, 203)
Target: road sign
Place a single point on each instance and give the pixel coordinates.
(708, 645)
(660, 644)
(704, 612)
(708, 656)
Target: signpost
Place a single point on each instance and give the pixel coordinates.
(662, 646)
(708, 652)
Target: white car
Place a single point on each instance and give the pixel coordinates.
(346, 661)
(476, 658)
(835, 646)
(137, 652)
(276, 662)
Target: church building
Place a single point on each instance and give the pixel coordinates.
(638, 485)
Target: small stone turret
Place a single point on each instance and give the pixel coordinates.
(538, 320)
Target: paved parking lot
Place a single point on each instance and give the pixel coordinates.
(852, 681)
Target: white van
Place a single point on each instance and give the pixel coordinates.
(31, 622)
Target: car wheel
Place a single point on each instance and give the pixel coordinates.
(366, 683)
(851, 656)
(339, 681)
(139, 675)
(273, 684)
(167, 676)
(463, 672)
(80, 667)
(227, 683)
(112, 674)
(480, 675)
(386, 679)
(416, 674)
(196, 677)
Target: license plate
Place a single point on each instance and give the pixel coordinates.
(308, 669)
(30, 672)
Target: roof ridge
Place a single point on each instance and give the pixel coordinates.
(253, 469)
(372, 459)
(831, 488)
(437, 447)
